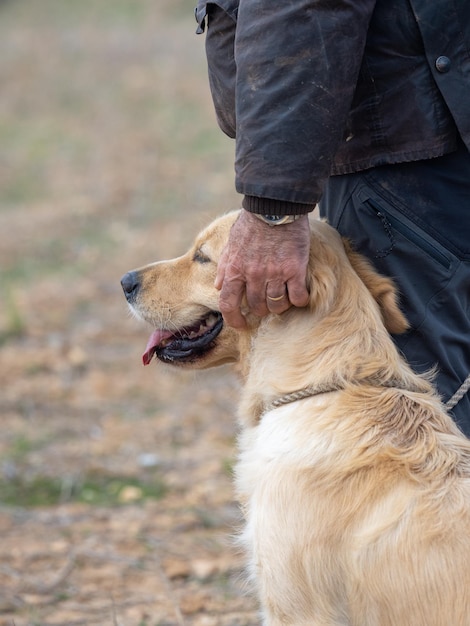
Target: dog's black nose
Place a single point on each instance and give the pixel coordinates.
(130, 285)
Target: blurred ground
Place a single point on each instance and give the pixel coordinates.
(115, 491)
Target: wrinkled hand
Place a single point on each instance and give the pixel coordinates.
(267, 263)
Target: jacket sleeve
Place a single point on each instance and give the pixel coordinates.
(295, 67)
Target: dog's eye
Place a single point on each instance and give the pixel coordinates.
(200, 257)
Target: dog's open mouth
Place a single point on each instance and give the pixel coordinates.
(185, 344)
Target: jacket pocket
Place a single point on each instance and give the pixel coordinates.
(393, 223)
(421, 267)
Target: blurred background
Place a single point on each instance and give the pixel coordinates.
(116, 504)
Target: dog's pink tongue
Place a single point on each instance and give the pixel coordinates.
(155, 339)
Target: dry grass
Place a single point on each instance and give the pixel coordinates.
(116, 502)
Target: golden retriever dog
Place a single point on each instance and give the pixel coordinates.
(353, 480)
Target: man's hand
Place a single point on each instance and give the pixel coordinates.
(267, 263)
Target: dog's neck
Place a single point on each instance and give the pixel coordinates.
(286, 366)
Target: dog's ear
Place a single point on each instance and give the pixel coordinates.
(382, 288)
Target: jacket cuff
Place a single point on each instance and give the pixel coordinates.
(268, 206)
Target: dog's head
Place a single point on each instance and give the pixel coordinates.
(178, 297)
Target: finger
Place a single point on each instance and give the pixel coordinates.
(221, 267)
(256, 298)
(279, 306)
(297, 292)
(231, 296)
(277, 300)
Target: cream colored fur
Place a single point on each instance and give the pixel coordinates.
(357, 502)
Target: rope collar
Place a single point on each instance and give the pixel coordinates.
(300, 394)
(316, 390)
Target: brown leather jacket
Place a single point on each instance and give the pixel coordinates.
(318, 87)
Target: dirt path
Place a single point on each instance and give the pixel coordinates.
(116, 504)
